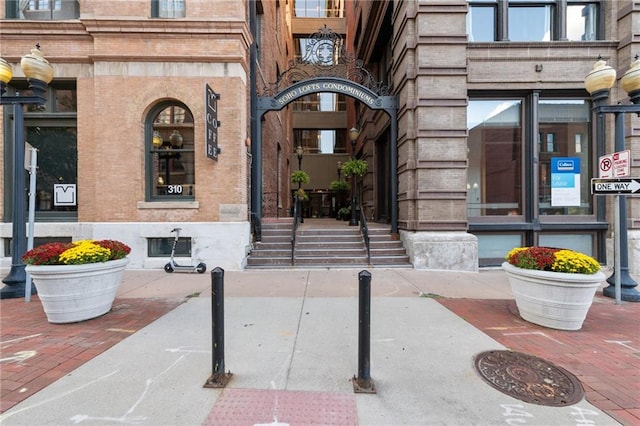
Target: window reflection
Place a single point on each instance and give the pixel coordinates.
(172, 9)
(44, 4)
(496, 153)
(582, 22)
(481, 23)
(495, 158)
(319, 8)
(66, 101)
(45, 9)
(563, 129)
(529, 23)
(533, 20)
(57, 163)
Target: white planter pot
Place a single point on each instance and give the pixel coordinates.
(72, 293)
(553, 299)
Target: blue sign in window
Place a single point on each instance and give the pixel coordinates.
(562, 180)
(565, 181)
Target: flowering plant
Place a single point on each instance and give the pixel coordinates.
(76, 253)
(552, 259)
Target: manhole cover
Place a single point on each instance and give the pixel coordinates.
(528, 378)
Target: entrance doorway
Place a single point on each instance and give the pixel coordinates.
(382, 173)
(340, 77)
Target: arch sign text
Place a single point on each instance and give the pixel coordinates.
(325, 84)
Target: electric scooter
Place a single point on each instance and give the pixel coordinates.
(173, 266)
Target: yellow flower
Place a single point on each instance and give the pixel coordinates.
(574, 262)
(85, 251)
(552, 259)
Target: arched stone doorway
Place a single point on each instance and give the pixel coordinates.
(325, 68)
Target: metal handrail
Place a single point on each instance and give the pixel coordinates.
(364, 229)
(296, 221)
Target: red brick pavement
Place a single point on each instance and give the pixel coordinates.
(604, 354)
(35, 353)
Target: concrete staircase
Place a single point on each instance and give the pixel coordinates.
(325, 243)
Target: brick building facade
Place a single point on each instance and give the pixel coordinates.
(121, 63)
(446, 61)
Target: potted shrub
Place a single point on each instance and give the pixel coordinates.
(340, 187)
(78, 280)
(344, 213)
(553, 287)
(354, 167)
(302, 195)
(299, 177)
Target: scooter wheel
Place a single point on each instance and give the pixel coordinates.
(201, 268)
(168, 268)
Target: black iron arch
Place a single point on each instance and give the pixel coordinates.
(324, 67)
(326, 84)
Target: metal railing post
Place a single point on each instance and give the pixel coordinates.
(218, 377)
(363, 383)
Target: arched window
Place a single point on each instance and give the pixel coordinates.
(170, 166)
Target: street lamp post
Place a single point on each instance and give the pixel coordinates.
(353, 136)
(299, 154)
(598, 83)
(39, 73)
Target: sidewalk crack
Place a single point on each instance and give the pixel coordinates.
(295, 339)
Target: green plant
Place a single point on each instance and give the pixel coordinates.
(344, 212)
(302, 195)
(76, 253)
(299, 176)
(339, 186)
(552, 259)
(354, 167)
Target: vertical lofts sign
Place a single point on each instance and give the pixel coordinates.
(211, 123)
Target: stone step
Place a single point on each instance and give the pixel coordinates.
(331, 241)
(389, 260)
(328, 245)
(272, 253)
(276, 239)
(333, 253)
(266, 262)
(321, 260)
(325, 244)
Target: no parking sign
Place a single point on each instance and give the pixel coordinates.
(615, 165)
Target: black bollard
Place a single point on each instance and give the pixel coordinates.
(218, 377)
(363, 383)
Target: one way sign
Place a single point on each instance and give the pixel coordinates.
(615, 186)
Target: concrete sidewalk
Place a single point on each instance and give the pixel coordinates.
(488, 284)
(291, 342)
